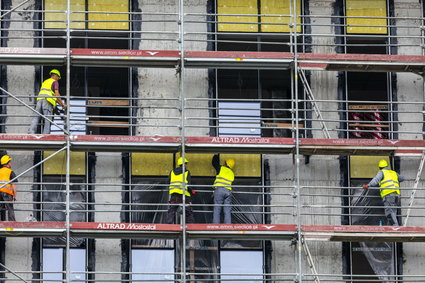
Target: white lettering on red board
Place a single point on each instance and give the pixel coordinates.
(126, 226)
(239, 140)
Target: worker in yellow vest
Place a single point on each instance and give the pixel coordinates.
(179, 182)
(389, 183)
(7, 192)
(223, 189)
(47, 99)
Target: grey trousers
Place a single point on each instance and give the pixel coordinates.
(222, 201)
(45, 108)
(4, 197)
(391, 205)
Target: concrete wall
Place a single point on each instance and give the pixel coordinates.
(108, 209)
(159, 88)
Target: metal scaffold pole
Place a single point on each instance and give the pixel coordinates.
(181, 76)
(68, 153)
(293, 29)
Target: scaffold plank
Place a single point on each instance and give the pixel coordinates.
(125, 230)
(351, 233)
(338, 233)
(32, 56)
(242, 231)
(124, 58)
(240, 144)
(32, 142)
(125, 143)
(213, 59)
(31, 229)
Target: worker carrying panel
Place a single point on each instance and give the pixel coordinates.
(114, 14)
(366, 17)
(57, 164)
(248, 11)
(281, 11)
(57, 20)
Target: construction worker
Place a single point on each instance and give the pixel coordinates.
(46, 102)
(223, 189)
(389, 183)
(7, 192)
(179, 185)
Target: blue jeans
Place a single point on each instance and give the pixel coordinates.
(222, 196)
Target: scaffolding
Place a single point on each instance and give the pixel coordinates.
(326, 134)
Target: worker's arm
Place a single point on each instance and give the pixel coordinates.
(400, 178)
(376, 180)
(216, 163)
(15, 197)
(59, 99)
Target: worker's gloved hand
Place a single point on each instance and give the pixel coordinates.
(192, 192)
(365, 186)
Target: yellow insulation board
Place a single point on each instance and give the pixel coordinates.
(105, 20)
(281, 11)
(151, 164)
(365, 166)
(57, 164)
(246, 165)
(366, 8)
(248, 11)
(199, 164)
(58, 20)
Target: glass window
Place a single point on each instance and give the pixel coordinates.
(239, 119)
(241, 262)
(154, 263)
(53, 265)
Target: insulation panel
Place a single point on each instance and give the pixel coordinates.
(248, 11)
(376, 10)
(281, 11)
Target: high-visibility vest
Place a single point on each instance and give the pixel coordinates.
(389, 184)
(224, 178)
(47, 93)
(177, 183)
(4, 178)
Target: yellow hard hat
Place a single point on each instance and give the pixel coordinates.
(230, 162)
(382, 163)
(180, 161)
(5, 159)
(56, 72)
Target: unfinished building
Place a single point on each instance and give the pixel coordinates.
(305, 95)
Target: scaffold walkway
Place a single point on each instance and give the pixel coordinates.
(335, 233)
(307, 146)
(212, 59)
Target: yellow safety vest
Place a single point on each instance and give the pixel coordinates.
(47, 93)
(389, 184)
(224, 178)
(177, 183)
(4, 178)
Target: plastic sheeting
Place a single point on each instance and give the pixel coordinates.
(54, 198)
(149, 198)
(368, 210)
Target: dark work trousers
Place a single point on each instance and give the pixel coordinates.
(172, 209)
(391, 205)
(46, 108)
(5, 197)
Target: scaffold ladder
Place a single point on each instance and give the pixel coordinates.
(314, 105)
(310, 260)
(415, 187)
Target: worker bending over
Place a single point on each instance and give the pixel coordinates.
(223, 189)
(389, 183)
(46, 102)
(178, 185)
(7, 192)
